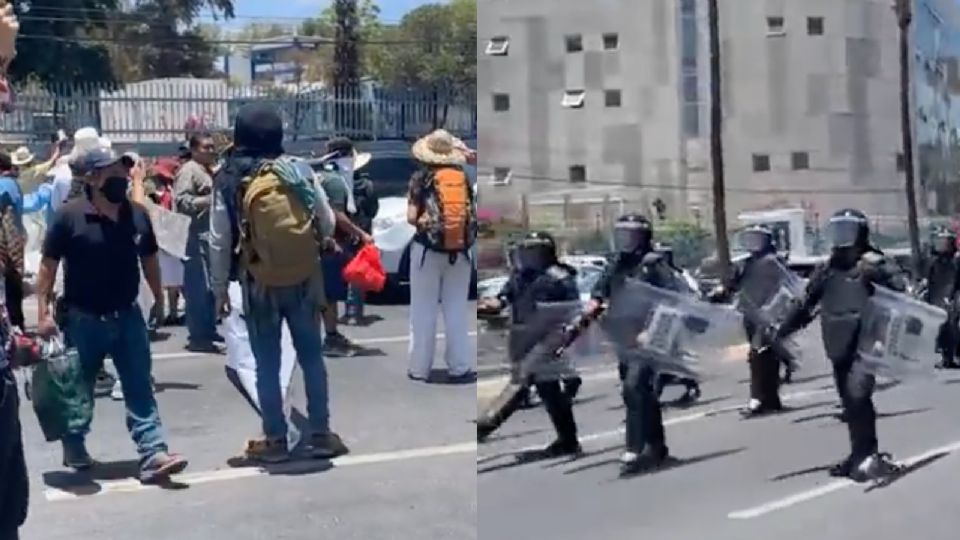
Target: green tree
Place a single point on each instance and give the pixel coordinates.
(437, 47)
(55, 49)
(369, 31)
(172, 45)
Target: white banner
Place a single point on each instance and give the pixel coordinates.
(171, 230)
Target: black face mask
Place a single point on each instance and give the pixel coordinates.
(115, 189)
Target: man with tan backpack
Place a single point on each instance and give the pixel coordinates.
(442, 207)
(267, 212)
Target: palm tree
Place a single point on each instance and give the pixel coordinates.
(716, 141)
(904, 13)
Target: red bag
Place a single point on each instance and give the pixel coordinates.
(365, 271)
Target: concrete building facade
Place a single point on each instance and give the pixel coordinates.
(611, 98)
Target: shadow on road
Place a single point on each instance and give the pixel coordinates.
(672, 463)
(85, 483)
(906, 412)
(164, 386)
(517, 435)
(801, 472)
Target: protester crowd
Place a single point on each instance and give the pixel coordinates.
(265, 239)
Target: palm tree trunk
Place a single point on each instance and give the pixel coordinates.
(716, 142)
(904, 17)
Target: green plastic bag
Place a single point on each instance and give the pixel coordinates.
(61, 398)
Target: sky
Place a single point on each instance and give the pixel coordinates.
(391, 10)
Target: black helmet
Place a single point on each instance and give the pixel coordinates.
(536, 251)
(756, 239)
(632, 233)
(943, 241)
(848, 228)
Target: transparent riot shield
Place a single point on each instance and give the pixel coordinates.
(898, 336)
(532, 345)
(671, 331)
(777, 296)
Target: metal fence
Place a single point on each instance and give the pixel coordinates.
(162, 111)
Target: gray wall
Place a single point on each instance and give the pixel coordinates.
(833, 96)
(635, 144)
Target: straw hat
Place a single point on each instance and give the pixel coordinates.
(21, 156)
(440, 148)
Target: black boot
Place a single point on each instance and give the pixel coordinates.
(650, 458)
(843, 469)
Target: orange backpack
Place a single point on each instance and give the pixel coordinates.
(450, 224)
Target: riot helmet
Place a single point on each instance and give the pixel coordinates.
(756, 239)
(536, 252)
(944, 242)
(848, 228)
(632, 233)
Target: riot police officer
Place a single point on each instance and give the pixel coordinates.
(538, 277)
(942, 276)
(756, 280)
(842, 287)
(645, 438)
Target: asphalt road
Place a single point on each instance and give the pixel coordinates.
(732, 479)
(410, 473)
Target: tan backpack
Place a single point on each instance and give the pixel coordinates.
(278, 241)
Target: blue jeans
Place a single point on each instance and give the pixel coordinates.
(265, 315)
(122, 335)
(201, 319)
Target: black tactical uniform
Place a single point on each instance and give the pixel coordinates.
(756, 280)
(645, 439)
(538, 278)
(842, 288)
(942, 289)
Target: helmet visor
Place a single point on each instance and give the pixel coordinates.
(943, 244)
(843, 232)
(754, 241)
(631, 237)
(534, 255)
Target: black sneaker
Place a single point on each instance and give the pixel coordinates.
(875, 467)
(337, 345)
(75, 455)
(843, 468)
(556, 449)
(464, 378)
(632, 463)
(327, 446)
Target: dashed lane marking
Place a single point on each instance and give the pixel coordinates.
(207, 477)
(837, 485)
(367, 341)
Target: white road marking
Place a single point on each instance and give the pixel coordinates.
(700, 415)
(837, 485)
(206, 477)
(367, 341)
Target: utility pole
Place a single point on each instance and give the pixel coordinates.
(716, 141)
(346, 60)
(904, 12)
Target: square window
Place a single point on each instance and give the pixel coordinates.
(815, 26)
(578, 173)
(612, 98)
(502, 176)
(775, 26)
(501, 102)
(574, 43)
(901, 162)
(761, 162)
(800, 161)
(573, 99)
(611, 41)
(498, 46)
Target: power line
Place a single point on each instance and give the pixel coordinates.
(306, 41)
(672, 187)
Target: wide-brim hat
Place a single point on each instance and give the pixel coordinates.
(360, 159)
(440, 148)
(21, 156)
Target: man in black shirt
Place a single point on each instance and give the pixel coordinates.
(104, 240)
